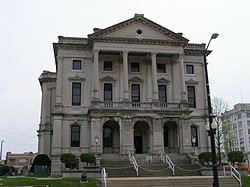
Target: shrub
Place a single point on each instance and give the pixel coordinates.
(6, 170)
(69, 160)
(235, 156)
(88, 158)
(41, 159)
(205, 157)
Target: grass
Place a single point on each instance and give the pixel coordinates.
(246, 181)
(52, 182)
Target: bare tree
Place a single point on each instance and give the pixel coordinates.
(219, 107)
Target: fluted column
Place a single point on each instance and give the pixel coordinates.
(59, 80)
(182, 77)
(96, 75)
(149, 81)
(125, 76)
(154, 77)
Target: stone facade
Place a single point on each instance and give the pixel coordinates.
(135, 86)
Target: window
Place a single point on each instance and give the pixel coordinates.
(240, 124)
(194, 136)
(107, 137)
(248, 114)
(135, 93)
(162, 93)
(75, 136)
(239, 116)
(107, 92)
(189, 69)
(107, 66)
(76, 94)
(241, 133)
(77, 64)
(191, 96)
(135, 67)
(161, 68)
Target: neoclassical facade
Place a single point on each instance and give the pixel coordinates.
(134, 86)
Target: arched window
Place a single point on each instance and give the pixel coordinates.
(107, 137)
(194, 136)
(75, 136)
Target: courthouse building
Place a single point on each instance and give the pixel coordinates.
(135, 86)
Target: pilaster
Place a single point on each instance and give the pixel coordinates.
(125, 76)
(96, 76)
(154, 77)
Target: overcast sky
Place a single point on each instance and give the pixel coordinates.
(29, 27)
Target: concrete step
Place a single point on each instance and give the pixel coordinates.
(202, 181)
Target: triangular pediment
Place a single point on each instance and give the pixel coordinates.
(135, 79)
(107, 79)
(163, 80)
(139, 27)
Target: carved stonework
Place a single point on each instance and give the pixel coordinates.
(136, 79)
(77, 78)
(192, 82)
(108, 79)
(163, 80)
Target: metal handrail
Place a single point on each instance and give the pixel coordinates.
(234, 173)
(166, 160)
(104, 176)
(132, 159)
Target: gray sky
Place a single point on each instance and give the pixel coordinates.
(28, 28)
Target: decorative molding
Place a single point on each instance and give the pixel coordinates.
(108, 79)
(136, 79)
(192, 82)
(163, 80)
(77, 78)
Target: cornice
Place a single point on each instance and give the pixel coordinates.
(73, 46)
(135, 79)
(139, 41)
(77, 78)
(47, 76)
(163, 80)
(192, 82)
(108, 79)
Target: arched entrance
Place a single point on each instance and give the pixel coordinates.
(170, 137)
(111, 137)
(141, 137)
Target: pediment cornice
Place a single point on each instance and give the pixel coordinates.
(136, 79)
(163, 80)
(108, 79)
(192, 82)
(77, 78)
(100, 33)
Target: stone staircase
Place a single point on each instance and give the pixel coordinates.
(196, 181)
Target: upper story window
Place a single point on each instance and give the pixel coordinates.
(76, 94)
(75, 136)
(248, 114)
(189, 69)
(108, 92)
(161, 68)
(107, 66)
(135, 92)
(135, 67)
(77, 65)
(162, 93)
(191, 96)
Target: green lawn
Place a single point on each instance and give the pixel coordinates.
(52, 182)
(246, 181)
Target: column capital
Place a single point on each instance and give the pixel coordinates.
(96, 50)
(153, 53)
(124, 52)
(181, 55)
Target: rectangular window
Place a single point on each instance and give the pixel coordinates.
(77, 65)
(107, 66)
(76, 94)
(239, 116)
(135, 67)
(162, 93)
(135, 89)
(248, 114)
(161, 68)
(189, 69)
(194, 136)
(107, 92)
(191, 96)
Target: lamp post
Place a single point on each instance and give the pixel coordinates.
(1, 150)
(96, 142)
(210, 116)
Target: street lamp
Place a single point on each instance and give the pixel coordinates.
(96, 142)
(1, 150)
(210, 116)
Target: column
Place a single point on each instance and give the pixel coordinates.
(121, 81)
(154, 77)
(59, 80)
(149, 82)
(182, 77)
(125, 76)
(96, 76)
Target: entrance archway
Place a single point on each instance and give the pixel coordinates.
(141, 137)
(111, 137)
(170, 137)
